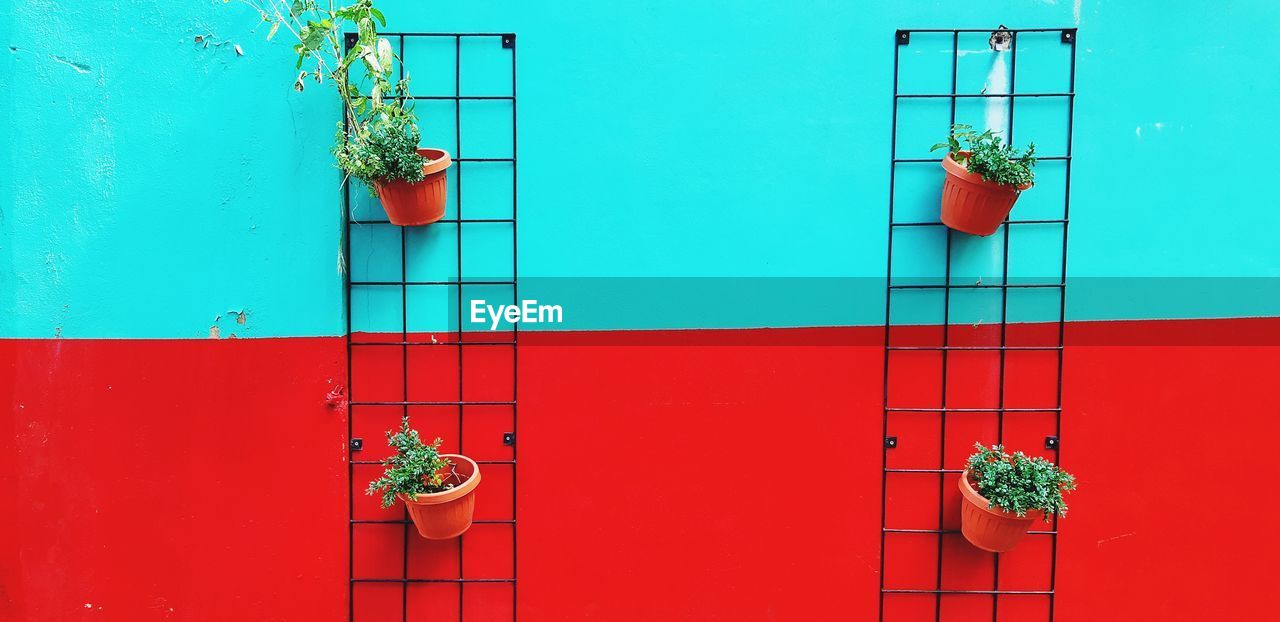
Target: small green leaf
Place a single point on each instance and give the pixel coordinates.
(272, 32)
(312, 37)
(378, 16)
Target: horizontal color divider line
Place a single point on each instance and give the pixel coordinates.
(1250, 331)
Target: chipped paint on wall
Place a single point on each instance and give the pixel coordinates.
(148, 176)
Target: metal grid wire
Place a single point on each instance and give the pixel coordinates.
(903, 38)
(506, 41)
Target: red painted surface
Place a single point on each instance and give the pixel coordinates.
(172, 480)
(656, 482)
(645, 486)
(699, 483)
(1174, 448)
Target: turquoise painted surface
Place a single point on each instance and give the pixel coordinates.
(156, 187)
(662, 144)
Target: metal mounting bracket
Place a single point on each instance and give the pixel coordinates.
(509, 40)
(890, 442)
(903, 37)
(508, 438)
(1069, 35)
(357, 444)
(1052, 442)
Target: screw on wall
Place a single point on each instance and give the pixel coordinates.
(357, 444)
(890, 442)
(508, 438)
(1052, 442)
(1069, 36)
(1001, 39)
(509, 40)
(903, 37)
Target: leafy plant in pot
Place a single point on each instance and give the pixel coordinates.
(1003, 494)
(437, 489)
(378, 142)
(984, 177)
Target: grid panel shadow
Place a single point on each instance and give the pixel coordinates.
(974, 326)
(409, 350)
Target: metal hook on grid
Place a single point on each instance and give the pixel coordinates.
(1001, 39)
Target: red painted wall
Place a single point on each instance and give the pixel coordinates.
(703, 481)
(729, 482)
(1173, 447)
(172, 480)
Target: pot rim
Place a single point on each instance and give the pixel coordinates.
(955, 169)
(972, 495)
(445, 496)
(437, 160)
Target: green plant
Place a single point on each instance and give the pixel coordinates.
(379, 138)
(381, 154)
(415, 468)
(1016, 483)
(985, 154)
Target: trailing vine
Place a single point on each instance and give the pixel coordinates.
(379, 138)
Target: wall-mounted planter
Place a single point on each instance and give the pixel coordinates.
(447, 514)
(420, 203)
(988, 528)
(972, 204)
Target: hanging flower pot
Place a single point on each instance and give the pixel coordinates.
(982, 182)
(378, 140)
(418, 203)
(446, 514)
(990, 529)
(438, 490)
(972, 204)
(1020, 491)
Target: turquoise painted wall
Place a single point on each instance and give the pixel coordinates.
(155, 186)
(158, 186)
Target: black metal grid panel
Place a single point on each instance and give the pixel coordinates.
(506, 41)
(903, 38)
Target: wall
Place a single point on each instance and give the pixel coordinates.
(160, 189)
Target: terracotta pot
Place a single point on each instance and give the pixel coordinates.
(987, 528)
(972, 204)
(444, 515)
(421, 203)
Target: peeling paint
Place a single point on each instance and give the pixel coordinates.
(1114, 538)
(79, 67)
(208, 39)
(51, 263)
(336, 398)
